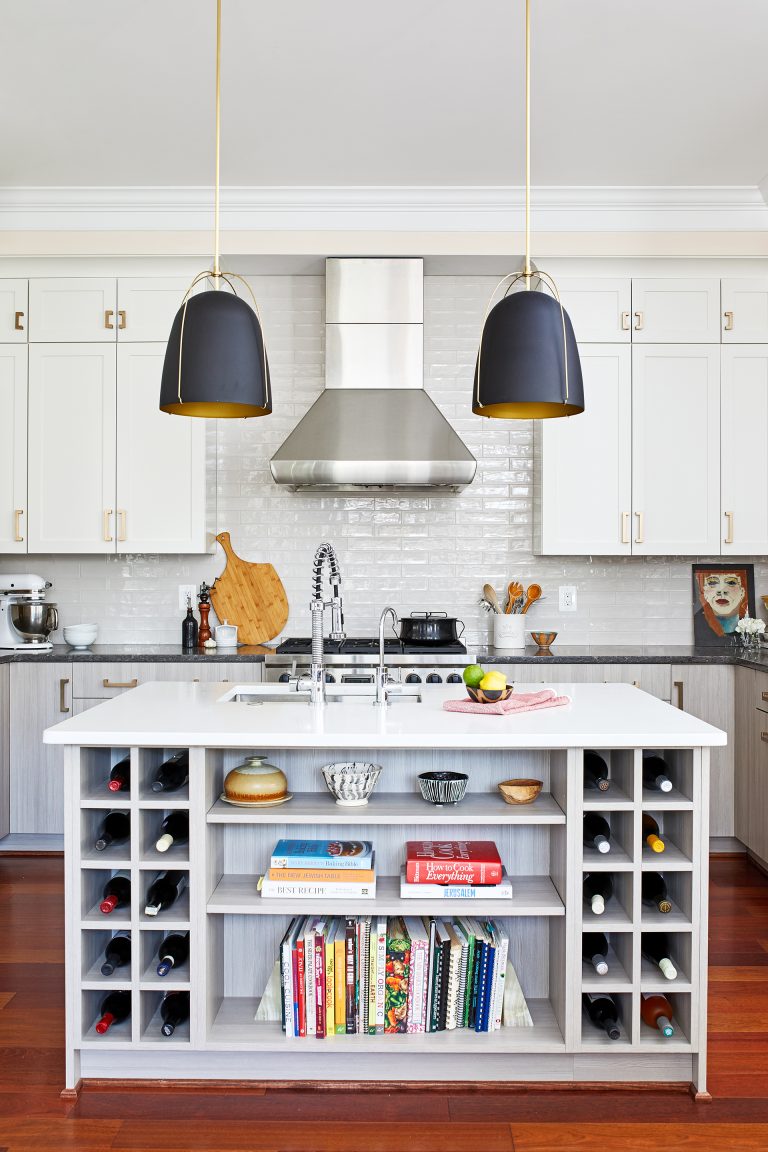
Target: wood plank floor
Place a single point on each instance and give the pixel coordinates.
(34, 1119)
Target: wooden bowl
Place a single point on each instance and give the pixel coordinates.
(520, 791)
(543, 639)
(488, 696)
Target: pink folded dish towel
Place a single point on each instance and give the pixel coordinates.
(517, 702)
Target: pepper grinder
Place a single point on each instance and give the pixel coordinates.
(204, 608)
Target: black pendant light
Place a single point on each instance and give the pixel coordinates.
(528, 365)
(216, 363)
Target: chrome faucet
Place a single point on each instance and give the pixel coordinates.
(324, 555)
(382, 674)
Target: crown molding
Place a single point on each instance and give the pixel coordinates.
(478, 209)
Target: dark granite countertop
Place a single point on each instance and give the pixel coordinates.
(135, 654)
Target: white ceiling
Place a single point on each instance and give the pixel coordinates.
(403, 92)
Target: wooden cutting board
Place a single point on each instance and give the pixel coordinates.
(249, 595)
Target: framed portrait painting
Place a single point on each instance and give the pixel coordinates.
(722, 594)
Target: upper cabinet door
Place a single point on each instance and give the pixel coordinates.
(14, 312)
(13, 449)
(71, 448)
(73, 310)
(160, 462)
(675, 451)
(744, 461)
(584, 464)
(600, 308)
(745, 311)
(674, 311)
(146, 307)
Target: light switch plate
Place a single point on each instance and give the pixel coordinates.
(567, 598)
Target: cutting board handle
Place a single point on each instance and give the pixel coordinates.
(226, 543)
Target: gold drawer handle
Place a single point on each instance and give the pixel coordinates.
(121, 319)
(764, 736)
(764, 696)
(625, 528)
(639, 319)
(17, 321)
(679, 685)
(105, 525)
(108, 316)
(62, 695)
(729, 534)
(17, 515)
(121, 531)
(639, 539)
(625, 325)
(120, 683)
(728, 321)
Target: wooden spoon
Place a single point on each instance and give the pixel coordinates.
(490, 595)
(533, 594)
(513, 591)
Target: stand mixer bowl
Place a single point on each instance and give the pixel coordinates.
(34, 622)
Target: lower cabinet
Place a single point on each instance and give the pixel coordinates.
(652, 678)
(751, 788)
(706, 691)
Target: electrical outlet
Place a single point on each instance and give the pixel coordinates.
(567, 598)
(184, 591)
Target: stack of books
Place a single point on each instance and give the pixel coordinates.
(453, 869)
(321, 869)
(378, 975)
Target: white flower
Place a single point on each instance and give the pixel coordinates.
(748, 626)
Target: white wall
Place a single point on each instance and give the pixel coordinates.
(433, 552)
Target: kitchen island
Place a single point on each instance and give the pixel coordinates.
(235, 933)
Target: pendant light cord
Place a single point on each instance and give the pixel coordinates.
(216, 266)
(528, 144)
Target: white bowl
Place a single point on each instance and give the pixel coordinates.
(351, 783)
(81, 635)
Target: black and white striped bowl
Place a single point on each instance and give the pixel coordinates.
(443, 787)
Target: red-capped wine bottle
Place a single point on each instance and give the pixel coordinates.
(595, 772)
(173, 951)
(115, 1007)
(655, 946)
(173, 774)
(120, 776)
(656, 774)
(164, 891)
(174, 829)
(655, 891)
(594, 949)
(598, 889)
(115, 829)
(117, 892)
(174, 1011)
(656, 1011)
(597, 832)
(603, 1013)
(117, 953)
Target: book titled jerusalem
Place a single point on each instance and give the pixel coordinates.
(454, 891)
(355, 854)
(452, 862)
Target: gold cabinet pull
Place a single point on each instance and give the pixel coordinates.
(625, 324)
(63, 694)
(105, 525)
(120, 683)
(764, 736)
(679, 685)
(625, 528)
(764, 696)
(728, 326)
(729, 534)
(638, 321)
(640, 539)
(121, 319)
(108, 316)
(121, 530)
(17, 515)
(17, 321)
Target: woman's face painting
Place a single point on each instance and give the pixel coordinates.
(724, 592)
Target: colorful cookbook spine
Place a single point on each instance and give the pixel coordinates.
(455, 891)
(320, 981)
(452, 862)
(350, 934)
(372, 955)
(311, 875)
(299, 890)
(301, 1005)
(417, 984)
(340, 983)
(330, 978)
(309, 976)
(335, 854)
(398, 971)
(381, 972)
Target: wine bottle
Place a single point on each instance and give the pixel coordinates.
(598, 889)
(120, 776)
(116, 893)
(655, 891)
(655, 774)
(656, 1011)
(115, 829)
(173, 774)
(173, 951)
(174, 1010)
(655, 946)
(603, 1013)
(594, 949)
(175, 830)
(115, 1007)
(163, 892)
(189, 629)
(597, 832)
(651, 834)
(117, 953)
(595, 772)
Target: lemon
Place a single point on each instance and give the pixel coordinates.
(493, 681)
(473, 674)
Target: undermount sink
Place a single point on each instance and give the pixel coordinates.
(256, 694)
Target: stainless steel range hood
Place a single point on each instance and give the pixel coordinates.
(374, 426)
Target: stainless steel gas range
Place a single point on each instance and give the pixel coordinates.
(353, 660)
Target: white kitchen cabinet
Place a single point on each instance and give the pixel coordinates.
(13, 311)
(600, 308)
(745, 311)
(13, 448)
(675, 450)
(584, 464)
(743, 456)
(71, 448)
(676, 311)
(146, 307)
(73, 310)
(40, 695)
(706, 691)
(161, 479)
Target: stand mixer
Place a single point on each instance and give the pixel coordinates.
(26, 621)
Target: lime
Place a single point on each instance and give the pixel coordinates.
(473, 674)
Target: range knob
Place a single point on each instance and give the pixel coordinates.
(412, 678)
(329, 679)
(433, 678)
(284, 678)
(453, 678)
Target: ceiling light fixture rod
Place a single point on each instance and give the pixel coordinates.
(528, 271)
(216, 265)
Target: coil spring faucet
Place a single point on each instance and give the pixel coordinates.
(324, 555)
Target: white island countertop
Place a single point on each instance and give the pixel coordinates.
(199, 715)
